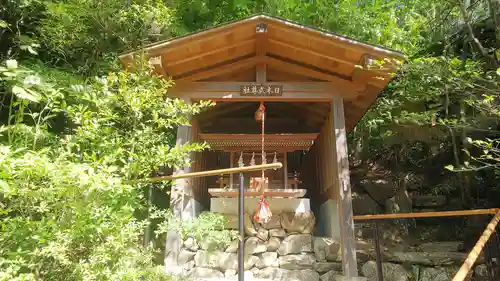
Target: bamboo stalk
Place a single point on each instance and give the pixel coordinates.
(428, 214)
(476, 251)
(277, 165)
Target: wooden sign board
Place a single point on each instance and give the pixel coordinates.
(261, 90)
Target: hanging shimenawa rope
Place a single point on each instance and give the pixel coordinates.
(263, 213)
(264, 160)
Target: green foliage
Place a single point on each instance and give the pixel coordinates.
(65, 221)
(17, 26)
(123, 120)
(66, 213)
(208, 228)
(99, 30)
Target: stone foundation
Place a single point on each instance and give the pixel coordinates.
(284, 249)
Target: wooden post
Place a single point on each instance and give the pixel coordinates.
(348, 243)
(231, 165)
(285, 169)
(180, 197)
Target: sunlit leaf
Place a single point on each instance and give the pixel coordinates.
(32, 80)
(26, 94)
(449, 167)
(11, 64)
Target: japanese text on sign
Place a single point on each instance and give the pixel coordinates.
(261, 90)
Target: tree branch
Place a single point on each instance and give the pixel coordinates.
(470, 31)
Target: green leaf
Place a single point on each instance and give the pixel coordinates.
(26, 94)
(11, 64)
(32, 80)
(4, 186)
(3, 24)
(29, 49)
(449, 167)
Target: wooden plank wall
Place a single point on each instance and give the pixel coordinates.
(319, 166)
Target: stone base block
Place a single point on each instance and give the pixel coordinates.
(277, 205)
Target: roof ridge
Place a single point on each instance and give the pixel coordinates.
(323, 32)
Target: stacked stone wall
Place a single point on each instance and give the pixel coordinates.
(285, 249)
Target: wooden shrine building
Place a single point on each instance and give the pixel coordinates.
(315, 87)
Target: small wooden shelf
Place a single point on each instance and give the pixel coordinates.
(285, 193)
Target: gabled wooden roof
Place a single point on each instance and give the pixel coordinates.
(290, 52)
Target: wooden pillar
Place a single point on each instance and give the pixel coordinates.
(182, 205)
(346, 222)
(285, 169)
(231, 165)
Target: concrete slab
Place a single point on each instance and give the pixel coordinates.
(277, 205)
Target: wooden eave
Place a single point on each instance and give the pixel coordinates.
(288, 51)
(253, 142)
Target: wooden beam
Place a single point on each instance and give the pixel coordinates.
(221, 69)
(217, 111)
(212, 61)
(291, 67)
(348, 243)
(248, 123)
(205, 54)
(230, 91)
(357, 112)
(257, 137)
(329, 38)
(278, 75)
(275, 44)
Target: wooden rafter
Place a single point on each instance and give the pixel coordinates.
(278, 75)
(287, 66)
(196, 38)
(274, 44)
(203, 55)
(219, 69)
(328, 37)
(309, 65)
(215, 59)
